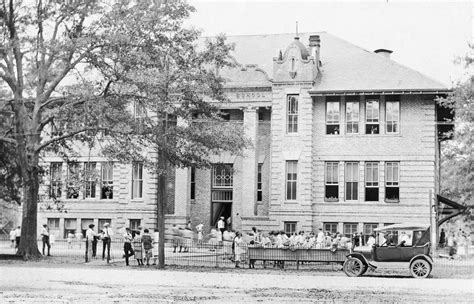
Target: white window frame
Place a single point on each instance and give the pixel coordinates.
(137, 180)
(333, 116)
(222, 181)
(392, 117)
(292, 113)
(55, 171)
(374, 114)
(291, 180)
(331, 177)
(352, 117)
(351, 176)
(90, 183)
(107, 178)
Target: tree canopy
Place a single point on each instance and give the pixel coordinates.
(457, 177)
(127, 76)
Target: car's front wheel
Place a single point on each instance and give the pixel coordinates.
(420, 268)
(353, 267)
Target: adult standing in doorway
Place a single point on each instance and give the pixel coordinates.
(90, 236)
(221, 228)
(45, 238)
(127, 245)
(107, 239)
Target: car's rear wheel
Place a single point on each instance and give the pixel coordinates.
(353, 267)
(420, 268)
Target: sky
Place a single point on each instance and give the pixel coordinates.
(424, 35)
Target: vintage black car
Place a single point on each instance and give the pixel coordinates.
(407, 243)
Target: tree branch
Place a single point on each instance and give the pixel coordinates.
(65, 136)
(8, 140)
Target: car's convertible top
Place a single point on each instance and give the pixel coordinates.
(412, 227)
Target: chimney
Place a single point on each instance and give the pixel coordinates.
(314, 46)
(384, 52)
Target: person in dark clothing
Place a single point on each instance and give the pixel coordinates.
(127, 245)
(442, 238)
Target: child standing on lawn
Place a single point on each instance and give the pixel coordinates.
(137, 247)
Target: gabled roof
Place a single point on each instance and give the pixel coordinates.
(345, 67)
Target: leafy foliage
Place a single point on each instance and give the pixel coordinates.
(458, 154)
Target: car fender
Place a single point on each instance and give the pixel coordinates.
(424, 257)
(359, 256)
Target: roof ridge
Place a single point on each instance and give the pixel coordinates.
(269, 34)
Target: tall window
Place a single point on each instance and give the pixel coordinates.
(372, 116)
(368, 230)
(349, 229)
(332, 182)
(53, 224)
(90, 179)
(392, 190)
(107, 178)
(138, 110)
(392, 116)
(193, 183)
(259, 183)
(137, 180)
(135, 224)
(372, 181)
(352, 181)
(73, 176)
(289, 227)
(292, 114)
(330, 227)
(352, 117)
(55, 171)
(332, 117)
(85, 225)
(102, 222)
(291, 179)
(223, 176)
(70, 226)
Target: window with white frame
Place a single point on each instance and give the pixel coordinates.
(371, 181)
(259, 183)
(137, 180)
(392, 117)
(352, 181)
(222, 176)
(193, 183)
(332, 182)
(70, 226)
(330, 227)
(291, 179)
(292, 114)
(369, 230)
(392, 177)
(349, 229)
(55, 171)
(289, 228)
(372, 116)
(53, 225)
(352, 117)
(74, 179)
(135, 224)
(90, 179)
(332, 117)
(138, 110)
(107, 179)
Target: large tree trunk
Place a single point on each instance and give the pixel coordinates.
(161, 200)
(28, 240)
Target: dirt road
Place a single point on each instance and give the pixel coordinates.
(118, 285)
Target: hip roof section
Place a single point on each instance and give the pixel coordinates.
(345, 66)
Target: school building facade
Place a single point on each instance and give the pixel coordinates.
(344, 139)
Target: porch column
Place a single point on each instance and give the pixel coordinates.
(249, 163)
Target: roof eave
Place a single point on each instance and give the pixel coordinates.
(379, 92)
